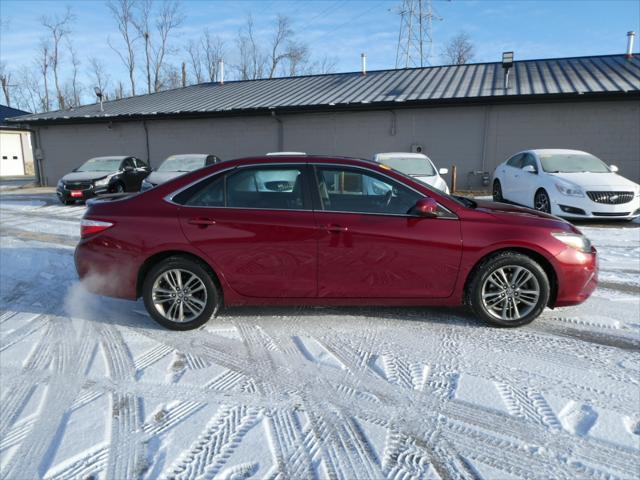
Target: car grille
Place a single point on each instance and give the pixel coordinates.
(611, 198)
(609, 214)
(77, 185)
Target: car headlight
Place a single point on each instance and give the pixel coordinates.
(574, 240)
(102, 182)
(568, 189)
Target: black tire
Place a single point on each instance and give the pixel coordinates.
(67, 202)
(118, 187)
(541, 201)
(509, 261)
(497, 191)
(211, 300)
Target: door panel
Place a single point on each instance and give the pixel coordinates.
(512, 174)
(527, 184)
(376, 256)
(261, 253)
(256, 226)
(371, 246)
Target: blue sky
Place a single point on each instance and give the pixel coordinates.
(344, 28)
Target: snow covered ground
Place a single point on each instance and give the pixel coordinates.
(92, 388)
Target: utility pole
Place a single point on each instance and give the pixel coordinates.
(416, 29)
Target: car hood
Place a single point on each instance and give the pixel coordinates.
(84, 176)
(507, 212)
(598, 181)
(432, 180)
(157, 178)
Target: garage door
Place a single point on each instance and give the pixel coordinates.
(11, 161)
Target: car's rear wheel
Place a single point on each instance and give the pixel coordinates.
(497, 191)
(66, 202)
(179, 293)
(509, 290)
(541, 201)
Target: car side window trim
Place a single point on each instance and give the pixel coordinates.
(317, 201)
(226, 173)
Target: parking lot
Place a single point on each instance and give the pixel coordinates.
(92, 388)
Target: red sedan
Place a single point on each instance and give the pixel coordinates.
(301, 230)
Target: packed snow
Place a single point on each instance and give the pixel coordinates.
(92, 388)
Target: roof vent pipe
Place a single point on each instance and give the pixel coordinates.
(221, 71)
(630, 38)
(507, 63)
(363, 59)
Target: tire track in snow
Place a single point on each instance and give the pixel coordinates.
(127, 458)
(34, 454)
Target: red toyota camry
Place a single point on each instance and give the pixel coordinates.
(302, 230)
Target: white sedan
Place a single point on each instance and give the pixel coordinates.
(567, 183)
(415, 165)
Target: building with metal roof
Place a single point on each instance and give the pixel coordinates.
(471, 115)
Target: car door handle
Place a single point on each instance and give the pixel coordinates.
(201, 222)
(335, 228)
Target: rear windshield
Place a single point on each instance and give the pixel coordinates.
(410, 166)
(572, 163)
(101, 164)
(182, 163)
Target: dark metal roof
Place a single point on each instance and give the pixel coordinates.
(607, 75)
(7, 112)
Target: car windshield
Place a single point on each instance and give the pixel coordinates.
(101, 164)
(572, 163)
(410, 165)
(182, 163)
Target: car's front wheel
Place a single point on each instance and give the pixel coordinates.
(509, 290)
(497, 191)
(179, 293)
(541, 201)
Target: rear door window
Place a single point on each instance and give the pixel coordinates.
(261, 187)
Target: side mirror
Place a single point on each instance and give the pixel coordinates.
(128, 168)
(443, 171)
(529, 168)
(613, 168)
(426, 207)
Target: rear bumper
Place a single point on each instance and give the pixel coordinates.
(106, 271)
(577, 276)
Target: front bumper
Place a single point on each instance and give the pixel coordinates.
(67, 194)
(585, 208)
(577, 274)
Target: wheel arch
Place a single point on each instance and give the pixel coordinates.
(158, 257)
(538, 257)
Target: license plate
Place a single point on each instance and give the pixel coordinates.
(76, 194)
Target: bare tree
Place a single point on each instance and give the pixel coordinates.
(279, 50)
(252, 61)
(5, 80)
(157, 41)
(59, 27)
(42, 61)
(195, 59)
(76, 88)
(122, 12)
(459, 50)
(213, 48)
(99, 75)
(28, 91)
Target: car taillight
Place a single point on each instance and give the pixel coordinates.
(91, 227)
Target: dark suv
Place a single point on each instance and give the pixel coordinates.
(101, 175)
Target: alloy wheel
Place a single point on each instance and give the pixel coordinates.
(179, 295)
(541, 202)
(510, 293)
